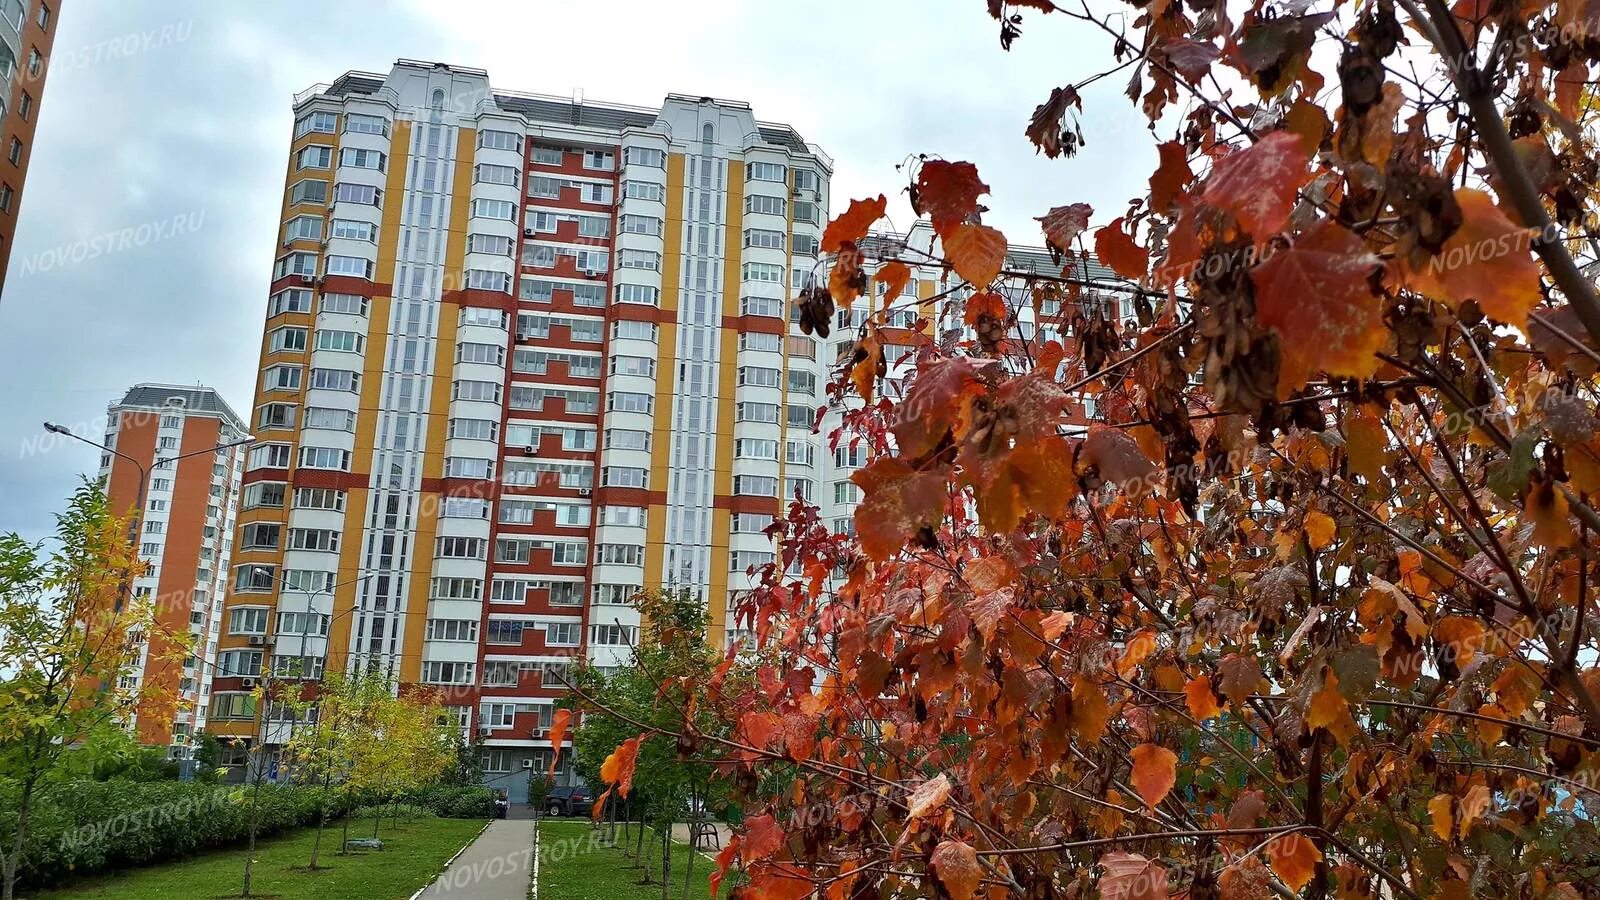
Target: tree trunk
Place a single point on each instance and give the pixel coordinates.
(250, 853)
(666, 859)
(688, 874)
(13, 863)
(322, 821)
(344, 846)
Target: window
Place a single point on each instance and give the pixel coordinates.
(464, 508)
(629, 401)
(638, 293)
(602, 160)
(800, 416)
(806, 211)
(474, 429)
(634, 224)
(744, 560)
(361, 124)
(801, 486)
(232, 705)
(303, 264)
(755, 448)
(756, 412)
(44, 17)
(569, 553)
(15, 152)
(25, 106)
(291, 300)
(353, 266)
(760, 203)
(258, 535)
(758, 376)
(457, 589)
(247, 620)
(761, 306)
(643, 190)
(331, 419)
(349, 304)
(486, 280)
(547, 156)
(245, 663)
(335, 379)
(362, 159)
(763, 272)
(644, 331)
(561, 634)
(434, 672)
(755, 485)
(261, 494)
(594, 226)
(477, 315)
(303, 622)
(315, 156)
(491, 174)
(286, 338)
(363, 194)
(462, 548)
(302, 228)
(502, 673)
(633, 365)
(504, 631)
(488, 391)
(625, 476)
(452, 630)
(761, 237)
(798, 453)
(613, 635)
(750, 523)
(802, 383)
(313, 539)
(801, 346)
(154, 527)
(615, 594)
(493, 244)
(620, 555)
(544, 186)
(323, 122)
(495, 209)
(346, 341)
(846, 492)
(593, 295)
(806, 245)
(640, 259)
(593, 192)
(644, 156)
(308, 191)
(352, 230)
(318, 498)
(268, 456)
(491, 354)
(627, 439)
(499, 140)
(325, 458)
(766, 171)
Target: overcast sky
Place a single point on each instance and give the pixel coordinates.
(172, 118)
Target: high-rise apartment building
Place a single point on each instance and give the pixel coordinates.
(27, 34)
(185, 534)
(523, 357)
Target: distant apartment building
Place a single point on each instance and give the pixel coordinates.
(185, 534)
(523, 357)
(27, 35)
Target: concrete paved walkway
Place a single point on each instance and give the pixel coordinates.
(496, 866)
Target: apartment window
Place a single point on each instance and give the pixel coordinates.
(318, 498)
(464, 508)
(487, 391)
(633, 365)
(259, 494)
(504, 631)
(629, 401)
(798, 453)
(592, 295)
(601, 160)
(358, 158)
(755, 485)
(260, 536)
(594, 226)
(492, 174)
(755, 448)
(644, 156)
(806, 245)
(348, 304)
(547, 156)
(800, 416)
(462, 548)
(43, 17)
(239, 662)
(760, 340)
(494, 209)
(759, 376)
(644, 331)
(15, 153)
(493, 244)
(846, 492)
(499, 140)
(797, 486)
(561, 634)
(352, 230)
(345, 341)
(635, 224)
(491, 354)
(363, 194)
(756, 412)
(613, 635)
(763, 238)
(302, 264)
(762, 272)
(463, 630)
(638, 293)
(802, 383)
(149, 549)
(761, 306)
(750, 523)
(615, 594)
(353, 266)
(313, 539)
(330, 419)
(627, 439)
(486, 280)
(361, 124)
(247, 620)
(569, 553)
(154, 527)
(315, 156)
(254, 578)
(25, 106)
(474, 429)
(544, 186)
(744, 560)
(161, 484)
(268, 456)
(335, 379)
(643, 190)
(640, 259)
(434, 672)
(766, 171)
(308, 191)
(322, 122)
(760, 203)
(325, 458)
(625, 476)
(303, 228)
(457, 589)
(620, 555)
(806, 211)
(303, 623)
(477, 315)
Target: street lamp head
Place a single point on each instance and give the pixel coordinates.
(53, 428)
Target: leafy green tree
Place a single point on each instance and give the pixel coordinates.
(69, 629)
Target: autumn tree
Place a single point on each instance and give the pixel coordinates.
(70, 628)
(1306, 609)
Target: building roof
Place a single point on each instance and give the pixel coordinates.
(193, 399)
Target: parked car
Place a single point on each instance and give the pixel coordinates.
(569, 800)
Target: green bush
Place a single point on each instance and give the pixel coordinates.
(393, 811)
(88, 826)
(453, 801)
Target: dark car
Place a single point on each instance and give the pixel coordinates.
(569, 800)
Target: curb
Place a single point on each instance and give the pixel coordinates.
(451, 860)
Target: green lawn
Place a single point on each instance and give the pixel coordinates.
(412, 855)
(573, 868)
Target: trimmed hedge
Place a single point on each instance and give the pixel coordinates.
(87, 826)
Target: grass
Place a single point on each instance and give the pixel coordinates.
(572, 868)
(413, 853)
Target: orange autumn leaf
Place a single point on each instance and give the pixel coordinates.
(1463, 635)
(893, 275)
(1137, 650)
(864, 373)
(617, 769)
(1318, 296)
(1063, 224)
(1329, 709)
(558, 734)
(1090, 711)
(1487, 259)
(1294, 857)
(854, 224)
(1155, 771)
(897, 501)
(723, 861)
(1258, 184)
(762, 837)
(1202, 701)
(1319, 529)
(1441, 812)
(985, 303)
(1171, 176)
(928, 797)
(1117, 457)
(947, 193)
(1129, 876)
(1116, 248)
(956, 864)
(1547, 508)
(976, 252)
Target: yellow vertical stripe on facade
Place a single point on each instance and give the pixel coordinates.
(655, 538)
(437, 424)
(378, 311)
(727, 389)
